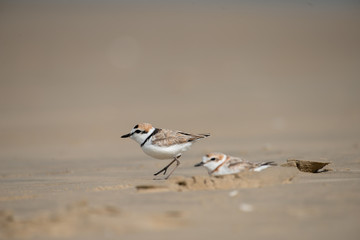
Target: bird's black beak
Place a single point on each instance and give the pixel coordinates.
(199, 164)
(126, 135)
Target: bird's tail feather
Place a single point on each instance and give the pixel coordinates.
(264, 165)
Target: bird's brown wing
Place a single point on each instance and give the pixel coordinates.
(165, 137)
(240, 164)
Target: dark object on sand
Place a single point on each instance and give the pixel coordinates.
(305, 165)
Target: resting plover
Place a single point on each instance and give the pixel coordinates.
(163, 143)
(221, 164)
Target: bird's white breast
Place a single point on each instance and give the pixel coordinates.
(165, 152)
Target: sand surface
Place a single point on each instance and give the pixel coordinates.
(269, 82)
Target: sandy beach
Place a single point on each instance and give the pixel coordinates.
(270, 82)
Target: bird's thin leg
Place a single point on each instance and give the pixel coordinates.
(177, 164)
(166, 167)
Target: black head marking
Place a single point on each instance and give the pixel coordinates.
(136, 126)
(153, 133)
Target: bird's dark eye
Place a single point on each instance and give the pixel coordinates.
(212, 159)
(137, 131)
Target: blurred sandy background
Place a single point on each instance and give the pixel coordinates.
(267, 80)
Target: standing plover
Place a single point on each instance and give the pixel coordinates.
(163, 143)
(221, 164)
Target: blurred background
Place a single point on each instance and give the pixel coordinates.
(76, 75)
